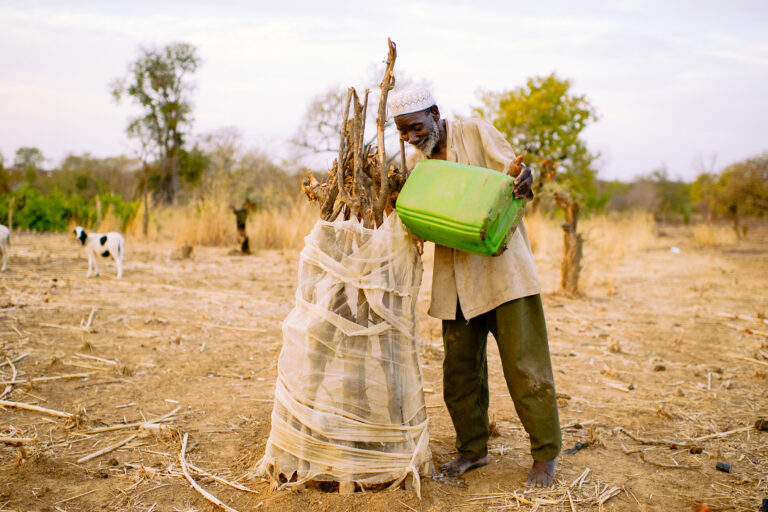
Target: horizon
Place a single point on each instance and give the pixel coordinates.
(683, 79)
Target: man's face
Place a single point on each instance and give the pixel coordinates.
(419, 129)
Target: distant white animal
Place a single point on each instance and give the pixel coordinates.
(96, 244)
(5, 244)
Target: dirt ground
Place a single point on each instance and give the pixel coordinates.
(645, 350)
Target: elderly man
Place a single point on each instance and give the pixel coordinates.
(473, 295)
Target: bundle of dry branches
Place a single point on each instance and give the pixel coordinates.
(360, 182)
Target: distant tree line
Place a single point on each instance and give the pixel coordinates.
(543, 120)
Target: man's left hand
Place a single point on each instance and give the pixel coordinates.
(523, 183)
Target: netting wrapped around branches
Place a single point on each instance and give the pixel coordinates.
(349, 403)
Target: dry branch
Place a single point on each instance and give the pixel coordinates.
(220, 480)
(107, 449)
(751, 360)
(22, 356)
(101, 359)
(136, 424)
(361, 184)
(667, 466)
(210, 497)
(45, 379)
(16, 440)
(720, 435)
(30, 407)
(747, 330)
(9, 385)
(734, 316)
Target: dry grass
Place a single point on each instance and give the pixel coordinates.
(282, 229)
(212, 223)
(708, 235)
(109, 222)
(607, 240)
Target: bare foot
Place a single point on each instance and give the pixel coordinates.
(461, 465)
(542, 474)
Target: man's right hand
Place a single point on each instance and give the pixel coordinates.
(523, 183)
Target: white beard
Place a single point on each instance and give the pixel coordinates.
(428, 146)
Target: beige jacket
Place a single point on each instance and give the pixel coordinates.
(481, 283)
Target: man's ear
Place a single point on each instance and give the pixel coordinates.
(435, 113)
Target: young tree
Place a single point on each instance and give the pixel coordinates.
(543, 121)
(158, 82)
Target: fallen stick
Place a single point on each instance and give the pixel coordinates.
(667, 466)
(232, 328)
(107, 449)
(734, 316)
(15, 440)
(46, 379)
(75, 497)
(747, 330)
(718, 435)
(616, 386)
(57, 326)
(607, 494)
(210, 497)
(17, 331)
(9, 386)
(22, 356)
(108, 361)
(30, 407)
(87, 326)
(570, 500)
(751, 360)
(580, 479)
(219, 479)
(136, 424)
(659, 442)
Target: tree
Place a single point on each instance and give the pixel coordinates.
(28, 160)
(739, 191)
(321, 128)
(158, 83)
(543, 121)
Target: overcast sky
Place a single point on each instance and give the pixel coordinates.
(674, 83)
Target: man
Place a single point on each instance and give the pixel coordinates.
(474, 294)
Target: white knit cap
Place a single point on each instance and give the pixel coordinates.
(407, 101)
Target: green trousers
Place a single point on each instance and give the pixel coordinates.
(521, 334)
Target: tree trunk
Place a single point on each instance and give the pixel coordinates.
(11, 202)
(572, 244)
(145, 223)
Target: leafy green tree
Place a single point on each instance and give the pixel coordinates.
(543, 121)
(158, 82)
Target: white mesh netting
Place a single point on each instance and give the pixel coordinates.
(349, 402)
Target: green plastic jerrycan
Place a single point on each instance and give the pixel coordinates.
(468, 208)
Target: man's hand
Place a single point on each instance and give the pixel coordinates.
(523, 183)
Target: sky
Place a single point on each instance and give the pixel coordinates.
(679, 85)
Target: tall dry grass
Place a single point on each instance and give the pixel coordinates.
(283, 228)
(709, 235)
(212, 223)
(608, 239)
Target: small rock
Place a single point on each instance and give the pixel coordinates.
(659, 368)
(761, 424)
(113, 462)
(723, 466)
